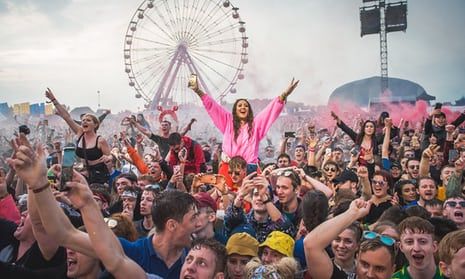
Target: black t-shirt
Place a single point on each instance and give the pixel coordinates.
(162, 144)
(376, 211)
(338, 273)
(7, 228)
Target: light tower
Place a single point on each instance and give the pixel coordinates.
(381, 16)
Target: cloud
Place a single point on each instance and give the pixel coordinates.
(76, 47)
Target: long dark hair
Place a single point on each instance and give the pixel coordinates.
(360, 135)
(237, 121)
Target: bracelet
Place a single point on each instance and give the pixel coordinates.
(311, 150)
(38, 190)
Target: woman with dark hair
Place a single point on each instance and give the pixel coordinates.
(242, 132)
(142, 121)
(366, 139)
(90, 147)
(406, 191)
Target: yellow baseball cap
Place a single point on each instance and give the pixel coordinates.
(280, 242)
(242, 244)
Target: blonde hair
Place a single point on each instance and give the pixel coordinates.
(286, 267)
(94, 119)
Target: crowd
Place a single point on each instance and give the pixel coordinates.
(128, 196)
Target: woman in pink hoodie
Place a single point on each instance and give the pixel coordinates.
(242, 132)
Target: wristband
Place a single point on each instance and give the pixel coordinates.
(268, 199)
(38, 190)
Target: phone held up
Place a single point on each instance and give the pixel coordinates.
(208, 179)
(289, 134)
(192, 81)
(69, 158)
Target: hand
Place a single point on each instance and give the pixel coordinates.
(335, 117)
(182, 155)
(269, 169)
(388, 122)
(429, 152)
(362, 172)
(450, 128)
(128, 211)
(401, 122)
(360, 207)
(29, 163)
(221, 184)
(49, 95)
(395, 200)
(193, 83)
(247, 185)
(78, 191)
(312, 141)
(289, 89)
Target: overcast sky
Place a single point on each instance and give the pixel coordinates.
(75, 47)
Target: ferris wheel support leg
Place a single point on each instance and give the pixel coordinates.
(161, 86)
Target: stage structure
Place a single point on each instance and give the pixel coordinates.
(382, 16)
(168, 40)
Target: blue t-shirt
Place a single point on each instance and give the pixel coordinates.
(141, 251)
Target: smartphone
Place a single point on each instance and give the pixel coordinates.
(176, 169)
(208, 179)
(355, 150)
(438, 106)
(328, 151)
(453, 155)
(183, 152)
(192, 81)
(289, 134)
(69, 158)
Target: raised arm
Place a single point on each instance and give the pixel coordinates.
(31, 167)
(387, 138)
(318, 239)
(427, 154)
(314, 183)
(61, 111)
(106, 245)
(48, 246)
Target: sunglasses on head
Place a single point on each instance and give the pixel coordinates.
(152, 187)
(386, 240)
(286, 173)
(454, 203)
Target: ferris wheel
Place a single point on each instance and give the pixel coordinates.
(168, 40)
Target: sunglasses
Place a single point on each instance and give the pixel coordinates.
(454, 203)
(414, 167)
(152, 187)
(286, 173)
(386, 240)
(111, 223)
(380, 183)
(330, 169)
